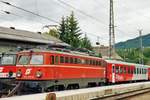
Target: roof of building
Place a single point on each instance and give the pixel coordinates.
(27, 36)
(104, 50)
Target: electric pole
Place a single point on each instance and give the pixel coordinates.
(111, 31)
(141, 47)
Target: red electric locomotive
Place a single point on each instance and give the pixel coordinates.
(7, 71)
(8, 65)
(56, 70)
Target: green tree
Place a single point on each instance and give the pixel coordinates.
(53, 32)
(69, 31)
(86, 43)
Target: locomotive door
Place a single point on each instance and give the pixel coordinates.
(113, 73)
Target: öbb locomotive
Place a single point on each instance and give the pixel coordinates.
(7, 71)
(56, 70)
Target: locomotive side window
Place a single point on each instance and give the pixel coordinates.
(52, 59)
(99, 63)
(124, 69)
(24, 59)
(76, 60)
(36, 59)
(61, 59)
(71, 60)
(66, 59)
(79, 61)
(56, 59)
(86, 61)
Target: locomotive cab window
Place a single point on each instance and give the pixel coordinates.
(8, 59)
(36, 59)
(24, 59)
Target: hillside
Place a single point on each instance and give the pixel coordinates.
(134, 43)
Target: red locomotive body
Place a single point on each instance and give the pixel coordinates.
(60, 67)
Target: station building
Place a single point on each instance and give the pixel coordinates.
(11, 38)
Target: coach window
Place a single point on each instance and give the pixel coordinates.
(128, 70)
(145, 71)
(117, 69)
(134, 70)
(131, 71)
(66, 59)
(61, 59)
(121, 70)
(137, 70)
(52, 59)
(113, 68)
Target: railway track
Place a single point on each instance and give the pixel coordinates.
(123, 96)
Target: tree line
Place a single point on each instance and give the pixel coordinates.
(135, 55)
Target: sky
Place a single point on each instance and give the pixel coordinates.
(130, 16)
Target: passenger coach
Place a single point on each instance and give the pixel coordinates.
(118, 71)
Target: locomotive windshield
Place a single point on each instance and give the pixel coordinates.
(8, 59)
(24, 59)
(33, 59)
(36, 59)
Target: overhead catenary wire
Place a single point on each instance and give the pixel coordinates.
(80, 11)
(7, 3)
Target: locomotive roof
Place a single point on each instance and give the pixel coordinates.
(80, 54)
(126, 63)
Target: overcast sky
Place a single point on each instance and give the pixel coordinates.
(130, 15)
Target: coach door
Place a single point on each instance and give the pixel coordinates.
(113, 73)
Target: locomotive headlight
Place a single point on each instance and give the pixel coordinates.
(38, 74)
(10, 73)
(19, 74)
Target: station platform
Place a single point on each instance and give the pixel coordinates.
(85, 94)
